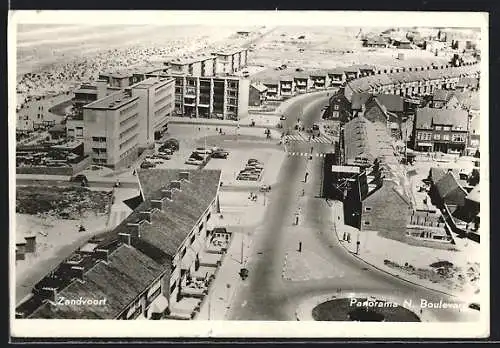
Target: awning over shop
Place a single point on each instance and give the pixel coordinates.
(425, 144)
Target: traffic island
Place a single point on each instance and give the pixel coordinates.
(352, 306)
(362, 309)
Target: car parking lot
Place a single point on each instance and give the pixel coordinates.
(252, 171)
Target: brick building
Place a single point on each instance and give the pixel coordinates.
(442, 130)
(146, 266)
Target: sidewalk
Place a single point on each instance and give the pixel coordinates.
(376, 250)
(227, 281)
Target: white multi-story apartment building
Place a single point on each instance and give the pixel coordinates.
(201, 65)
(231, 60)
(112, 127)
(156, 101)
(220, 97)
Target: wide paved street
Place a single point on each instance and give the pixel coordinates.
(266, 295)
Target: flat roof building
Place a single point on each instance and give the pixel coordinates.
(111, 129)
(156, 96)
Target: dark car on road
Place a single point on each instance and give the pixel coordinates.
(78, 178)
(282, 118)
(475, 306)
(220, 154)
(147, 165)
(171, 144)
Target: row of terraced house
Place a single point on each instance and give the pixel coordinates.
(158, 263)
(375, 113)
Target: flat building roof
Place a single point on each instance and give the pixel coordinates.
(152, 81)
(345, 169)
(112, 102)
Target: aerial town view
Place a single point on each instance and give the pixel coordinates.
(277, 173)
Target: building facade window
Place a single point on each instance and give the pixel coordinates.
(446, 137)
(437, 136)
(458, 138)
(438, 127)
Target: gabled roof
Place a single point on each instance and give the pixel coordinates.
(447, 185)
(435, 174)
(392, 102)
(426, 117)
(172, 225)
(358, 100)
(363, 84)
(366, 139)
(119, 281)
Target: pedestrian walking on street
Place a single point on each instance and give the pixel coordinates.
(305, 178)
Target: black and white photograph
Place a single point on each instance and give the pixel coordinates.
(261, 173)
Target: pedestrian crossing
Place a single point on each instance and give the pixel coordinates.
(306, 154)
(322, 139)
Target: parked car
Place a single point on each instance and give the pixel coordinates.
(156, 161)
(197, 156)
(162, 156)
(172, 143)
(165, 150)
(202, 150)
(147, 165)
(282, 118)
(256, 165)
(193, 161)
(254, 161)
(220, 154)
(475, 306)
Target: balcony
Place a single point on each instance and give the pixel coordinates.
(191, 92)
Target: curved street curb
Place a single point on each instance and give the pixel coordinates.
(389, 273)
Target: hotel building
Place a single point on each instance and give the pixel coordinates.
(221, 97)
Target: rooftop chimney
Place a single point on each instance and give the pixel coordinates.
(30, 244)
(48, 293)
(145, 215)
(78, 272)
(102, 254)
(176, 184)
(135, 229)
(124, 237)
(21, 247)
(20, 254)
(167, 193)
(157, 204)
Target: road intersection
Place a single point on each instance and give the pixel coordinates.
(266, 294)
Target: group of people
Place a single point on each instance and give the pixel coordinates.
(252, 196)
